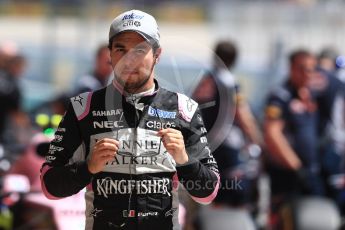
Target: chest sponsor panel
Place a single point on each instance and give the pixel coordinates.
(140, 151)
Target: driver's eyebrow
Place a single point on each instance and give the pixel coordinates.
(119, 45)
(142, 46)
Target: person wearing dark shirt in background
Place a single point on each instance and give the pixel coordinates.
(10, 95)
(99, 77)
(291, 134)
(329, 92)
(215, 88)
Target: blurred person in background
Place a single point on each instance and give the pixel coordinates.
(340, 62)
(99, 77)
(95, 80)
(329, 92)
(13, 66)
(8, 49)
(291, 134)
(244, 130)
(132, 141)
(326, 60)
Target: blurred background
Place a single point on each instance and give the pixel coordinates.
(59, 39)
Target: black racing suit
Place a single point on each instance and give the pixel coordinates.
(138, 189)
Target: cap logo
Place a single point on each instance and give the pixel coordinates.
(132, 16)
(131, 23)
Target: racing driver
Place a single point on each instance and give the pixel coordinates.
(132, 142)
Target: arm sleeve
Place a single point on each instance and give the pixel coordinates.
(65, 171)
(239, 96)
(275, 108)
(200, 174)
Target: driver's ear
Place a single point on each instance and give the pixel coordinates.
(157, 54)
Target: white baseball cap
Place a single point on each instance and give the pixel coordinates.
(137, 21)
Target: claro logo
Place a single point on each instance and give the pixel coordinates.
(160, 125)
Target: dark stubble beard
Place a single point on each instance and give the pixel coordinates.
(133, 88)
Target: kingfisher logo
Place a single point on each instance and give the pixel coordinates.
(132, 16)
(161, 113)
(108, 186)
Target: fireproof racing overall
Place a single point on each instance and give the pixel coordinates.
(138, 189)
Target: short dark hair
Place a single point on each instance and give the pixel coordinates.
(16, 60)
(299, 53)
(328, 52)
(100, 49)
(154, 45)
(227, 52)
(110, 43)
